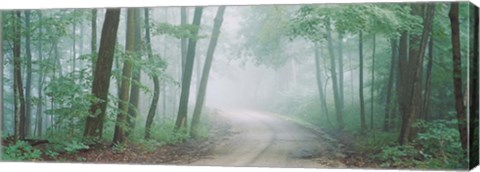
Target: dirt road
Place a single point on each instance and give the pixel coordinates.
(264, 140)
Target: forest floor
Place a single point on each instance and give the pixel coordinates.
(237, 138)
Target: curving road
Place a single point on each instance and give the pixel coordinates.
(263, 140)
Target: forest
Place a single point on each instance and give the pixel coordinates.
(370, 85)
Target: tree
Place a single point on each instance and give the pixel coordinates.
(457, 74)
(473, 116)
(156, 83)
(2, 124)
(318, 76)
(372, 98)
(41, 79)
(102, 73)
(363, 126)
(18, 82)
(135, 90)
(388, 105)
(202, 90)
(28, 83)
(187, 73)
(336, 95)
(119, 136)
(410, 71)
(94, 38)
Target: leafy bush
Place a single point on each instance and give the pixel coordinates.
(21, 151)
(74, 146)
(398, 156)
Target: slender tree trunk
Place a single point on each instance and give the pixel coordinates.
(28, 83)
(428, 81)
(388, 105)
(2, 124)
(94, 39)
(318, 76)
(372, 98)
(101, 77)
(18, 82)
(41, 78)
(202, 90)
(411, 71)
(473, 115)
(74, 46)
(119, 136)
(183, 41)
(156, 83)
(457, 74)
(187, 73)
(363, 126)
(336, 96)
(340, 70)
(136, 75)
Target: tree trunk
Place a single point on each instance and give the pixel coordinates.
(336, 96)
(457, 74)
(28, 83)
(94, 39)
(18, 83)
(318, 76)
(119, 136)
(202, 90)
(101, 77)
(41, 78)
(372, 98)
(2, 123)
(187, 73)
(410, 73)
(428, 81)
(340, 70)
(473, 116)
(363, 126)
(388, 105)
(156, 84)
(183, 41)
(74, 47)
(135, 90)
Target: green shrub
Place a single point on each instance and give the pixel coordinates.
(21, 151)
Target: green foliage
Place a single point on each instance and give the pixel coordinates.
(119, 148)
(74, 146)
(398, 156)
(20, 151)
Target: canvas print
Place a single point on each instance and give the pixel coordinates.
(358, 85)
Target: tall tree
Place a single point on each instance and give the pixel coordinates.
(202, 90)
(372, 88)
(135, 89)
(2, 126)
(428, 80)
(119, 136)
(187, 73)
(94, 38)
(388, 105)
(363, 126)
(340, 70)
(41, 79)
(318, 76)
(101, 77)
(410, 71)
(473, 116)
(183, 41)
(457, 74)
(18, 82)
(336, 96)
(28, 83)
(156, 82)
